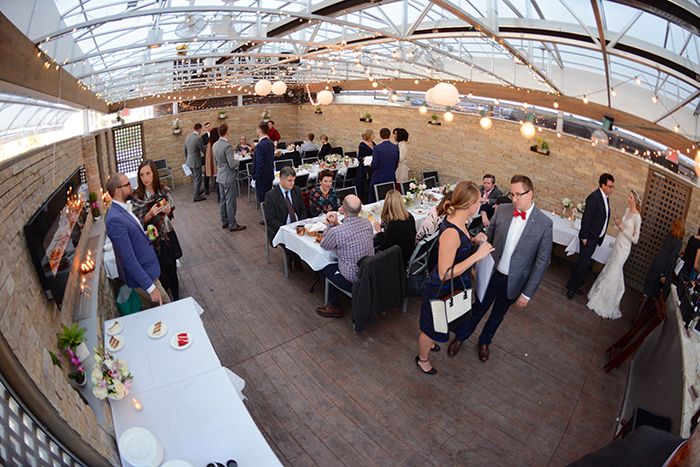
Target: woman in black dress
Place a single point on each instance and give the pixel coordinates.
(363, 171)
(454, 250)
(398, 226)
(661, 266)
(325, 147)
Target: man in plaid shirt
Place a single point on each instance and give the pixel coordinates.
(351, 241)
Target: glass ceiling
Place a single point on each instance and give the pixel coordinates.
(645, 61)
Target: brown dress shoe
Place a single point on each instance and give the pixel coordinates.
(238, 228)
(262, 222)
(483, 352)
(329, 311)
(454, 347)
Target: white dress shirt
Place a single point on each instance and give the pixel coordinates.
(515, 230)
(607, 213)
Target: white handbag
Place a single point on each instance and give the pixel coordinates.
(451, 307)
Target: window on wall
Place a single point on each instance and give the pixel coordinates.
(128, 147)
(24, 443)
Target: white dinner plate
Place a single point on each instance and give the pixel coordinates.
(117, 347)
(420, 211)
(163, 330)
(173, 341)
(138, 446)
(176, 463)
(115, 328)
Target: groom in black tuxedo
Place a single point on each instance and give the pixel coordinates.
(593, 227)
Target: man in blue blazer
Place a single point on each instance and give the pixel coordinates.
(593, 227)
(137, 262)
(263, 163)
(385, 160)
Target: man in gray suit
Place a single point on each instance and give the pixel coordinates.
(522, 242)
(194, 149)
(227, 168)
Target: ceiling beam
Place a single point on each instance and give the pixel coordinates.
(601, 35)
(687, 101)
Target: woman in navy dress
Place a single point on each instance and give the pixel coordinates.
(364, 172)
(454, 249)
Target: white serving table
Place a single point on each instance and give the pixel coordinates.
(564, 234)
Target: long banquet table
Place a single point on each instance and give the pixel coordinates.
(191, 404)
(564, 234)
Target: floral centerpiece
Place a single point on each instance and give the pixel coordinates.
(332, 159)
(347, 160)
(580, 207)
(110, 376)
(408, 201)
(177, 124)
(266, 115)
(568, 204)
(416, 188)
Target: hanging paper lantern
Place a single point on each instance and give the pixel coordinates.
(429, 96)
(600, 139)
(279, 88)
(325, 97)
(486, 123)
(445, 94)
(527, 130)
(263, 87)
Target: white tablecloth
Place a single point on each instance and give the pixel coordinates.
(565, 235)
(311, 252)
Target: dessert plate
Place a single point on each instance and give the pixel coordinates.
(115, 344)
(115, 328)
(157, 330)
(181, 340)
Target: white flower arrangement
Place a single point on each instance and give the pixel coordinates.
(110, 376)
(177, 124)
(568, 204)
(580, 207)
(266, 114)
(332, 159)
(347, 160)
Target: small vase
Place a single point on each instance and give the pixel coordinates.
(563, 213)
(81, 384)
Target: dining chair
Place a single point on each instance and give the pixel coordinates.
(165, 172)
(310, 154)
(418, 264)
(302, 182)
(430, 182)
(309, 160)
(381, 189)
(348, 177)
(343, 192)
(298, 143)
(352, 154)
(281, 145)
(431, 173)
(338, 150)
(267, 243)
(405, 187)
(283, 163)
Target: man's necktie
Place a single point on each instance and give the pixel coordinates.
(517, 213)
(290, 208)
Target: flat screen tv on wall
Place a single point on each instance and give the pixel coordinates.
(53, 233)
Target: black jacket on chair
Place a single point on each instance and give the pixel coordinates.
(380, 284)
(276, 211)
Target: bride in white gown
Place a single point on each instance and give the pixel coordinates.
(605, 295)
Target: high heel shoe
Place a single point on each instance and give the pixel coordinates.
(432, 371)
(435, 348)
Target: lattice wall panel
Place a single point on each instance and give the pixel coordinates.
(665, 200)
(23, 443)
(128, 147)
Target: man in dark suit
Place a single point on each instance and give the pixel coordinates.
(137, 262)
(385, 160)
(284, 205)
(263, 163)
(648, 447)
(194, 149)
(205, 141)
(593, 227)
(522, 242)
(489, 194)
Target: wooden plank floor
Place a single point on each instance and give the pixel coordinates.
(324, 396)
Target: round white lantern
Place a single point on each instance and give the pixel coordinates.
(279, 88)
(448, 116)
(527, 130)
(325, 97)
(445, 94)
(430, 96)
(600, 139)
(486, 123)
(263, 87)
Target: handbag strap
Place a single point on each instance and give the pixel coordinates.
(452, 286)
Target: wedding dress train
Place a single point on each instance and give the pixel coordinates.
(605, 295)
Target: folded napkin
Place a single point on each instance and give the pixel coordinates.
(316, 227)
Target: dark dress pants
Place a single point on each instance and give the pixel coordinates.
(261, 188)
(578, 273)
(227, 201)
(332, 273)
(197, 181)
(496, 294)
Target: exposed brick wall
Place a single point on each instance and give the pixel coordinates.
(28, 321)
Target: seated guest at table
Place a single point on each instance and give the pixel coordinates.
(691, 258)
(385, 160)
(432, 222)
(323, 198)
(146, 204)
(661, 267)
(136, 258)
(243, 147)
(273, 134)
(351, 241)
(309, 145)
(325, 147)
(401, 138)
(209, 164)
(364, 171)
(284, 205)
(398, 226)
(489, 194)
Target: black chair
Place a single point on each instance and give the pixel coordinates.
(256, 140)
(283, 163)
(249, 175)
(418, 264)
(338, 150)
(309, 160)
(430, 182)
(343, 192)
(351, 154)
(382, 189)
(165, 172)
(310, 154)
(347, 178)
(302, 181)
(298, 143)
(432, 173)
(281, 145)
(292, 156)
(405, 187)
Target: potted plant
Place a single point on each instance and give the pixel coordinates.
(177, 124)
(77, 375)
(94, 206)
(266, 115)
(72, 338)
(433, 120)
(222, 114)
(365, 116)
(542, 147)
(318, 110)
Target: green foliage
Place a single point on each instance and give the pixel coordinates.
(434, 117)
(93, 197)
(56, 360)
(71, 337)
(543, 144)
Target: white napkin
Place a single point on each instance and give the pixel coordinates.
(316, 227)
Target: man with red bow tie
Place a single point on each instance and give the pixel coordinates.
(522, 241)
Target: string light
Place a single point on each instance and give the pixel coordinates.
(654, 99)
(613, 92)
(637, 80)
(556, 104)
(585, 99)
